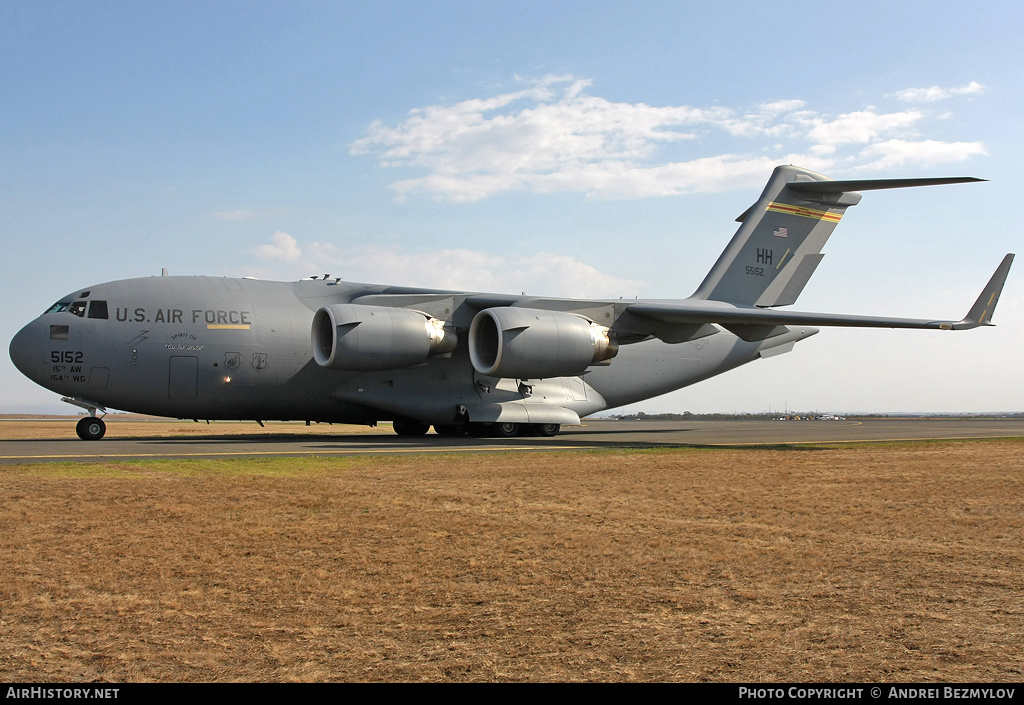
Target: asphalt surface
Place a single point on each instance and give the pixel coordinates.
(593, 435)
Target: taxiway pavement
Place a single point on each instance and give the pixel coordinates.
(593, 435)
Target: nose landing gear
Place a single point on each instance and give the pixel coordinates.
(92, 427)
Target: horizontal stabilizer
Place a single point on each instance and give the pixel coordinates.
(820, 188)
(874, 184)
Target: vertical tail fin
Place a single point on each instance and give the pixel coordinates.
(778, 244)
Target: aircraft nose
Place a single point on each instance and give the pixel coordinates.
(25, 349)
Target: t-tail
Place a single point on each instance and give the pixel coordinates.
(778, 244)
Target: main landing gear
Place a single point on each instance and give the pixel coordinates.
(91, 428)
(478, 430)
(410, 428)
(510, 430)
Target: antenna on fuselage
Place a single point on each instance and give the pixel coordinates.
(163, 271)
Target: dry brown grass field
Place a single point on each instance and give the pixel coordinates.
(885, 562)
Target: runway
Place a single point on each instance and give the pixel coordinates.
(594, 434)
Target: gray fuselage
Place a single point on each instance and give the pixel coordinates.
(222, 348)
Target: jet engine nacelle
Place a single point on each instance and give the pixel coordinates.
(370, 338)
(527, 343)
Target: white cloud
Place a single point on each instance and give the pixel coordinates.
(548, 274)
(898, 153)
(552, 136)
(764, 119)
(541, 274)
(781, 106)
(930, 95)
(472, 136)
(859, 127)
(282, 246)
(471, 270)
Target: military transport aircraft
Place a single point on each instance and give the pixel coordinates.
(328, 350)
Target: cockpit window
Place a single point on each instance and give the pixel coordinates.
(59, 307)
(84, 294)
(98, 309)
(77, 308)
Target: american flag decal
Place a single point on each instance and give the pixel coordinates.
(781, 232)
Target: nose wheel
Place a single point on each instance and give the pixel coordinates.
(91, 428)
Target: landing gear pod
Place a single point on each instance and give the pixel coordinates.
(528, 343)
(369, 338)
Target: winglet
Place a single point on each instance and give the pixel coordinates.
(981, 312)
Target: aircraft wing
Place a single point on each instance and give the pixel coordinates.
(752, 323)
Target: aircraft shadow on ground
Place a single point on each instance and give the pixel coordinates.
(583, 441)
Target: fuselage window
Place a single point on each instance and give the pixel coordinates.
(98, 309)
(59, 307)
(59, 332)
(77, 308)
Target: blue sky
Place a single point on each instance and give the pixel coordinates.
(576, 149)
